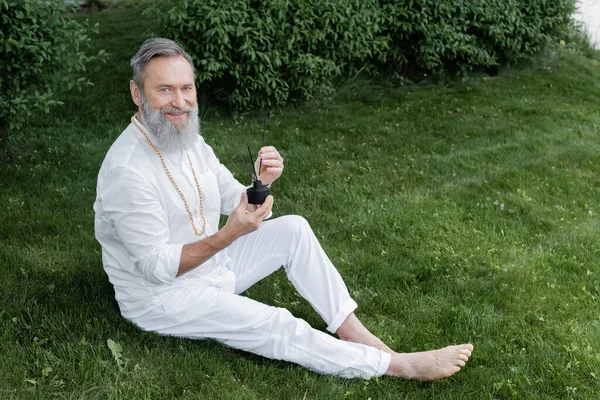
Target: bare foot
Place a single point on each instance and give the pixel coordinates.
(430, 365)
(352, 330)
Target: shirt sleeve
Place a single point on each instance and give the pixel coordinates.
(132, 206)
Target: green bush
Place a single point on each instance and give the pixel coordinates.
(261, 53)
(40, 55)
(456, 36)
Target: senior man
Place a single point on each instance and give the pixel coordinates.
(160, 193)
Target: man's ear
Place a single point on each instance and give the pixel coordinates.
(136, 96)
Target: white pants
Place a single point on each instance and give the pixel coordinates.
(210, 311)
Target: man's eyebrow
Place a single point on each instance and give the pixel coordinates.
(169, 85)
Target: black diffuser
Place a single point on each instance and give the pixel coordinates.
(257, 193)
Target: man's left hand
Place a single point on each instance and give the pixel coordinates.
(271, 166)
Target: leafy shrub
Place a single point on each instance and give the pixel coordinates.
(261, 53)
(460, 35)
(41, 54)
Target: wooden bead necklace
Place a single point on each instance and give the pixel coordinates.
(187, 208)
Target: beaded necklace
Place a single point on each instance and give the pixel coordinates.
(187, 208)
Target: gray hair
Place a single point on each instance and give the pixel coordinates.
(155, 47)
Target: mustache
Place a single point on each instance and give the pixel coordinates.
(170, 109)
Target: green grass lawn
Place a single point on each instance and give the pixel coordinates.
(457, 213)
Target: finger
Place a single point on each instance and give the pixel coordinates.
(243, 201)
(267, 149)
(277, 160)
(274, 170)
(272, 163)
(270, 157)
(267, 204)
(265, 208)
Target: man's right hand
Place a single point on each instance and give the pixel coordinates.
(241, 221)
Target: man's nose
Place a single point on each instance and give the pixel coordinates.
(178, 99)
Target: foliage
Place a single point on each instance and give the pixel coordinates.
(260, 53)
(459, 212)
(41, 50)
(458, 36)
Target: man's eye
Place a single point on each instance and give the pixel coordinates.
(187, 88)
(164, 90)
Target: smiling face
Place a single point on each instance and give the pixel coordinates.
(168, 86)
(167, 102)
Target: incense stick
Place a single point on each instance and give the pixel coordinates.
(241, 158)
(263, 144)
(254, 177)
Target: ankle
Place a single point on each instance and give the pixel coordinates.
(400, 366)
(349, 328)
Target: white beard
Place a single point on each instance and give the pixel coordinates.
(167, 136)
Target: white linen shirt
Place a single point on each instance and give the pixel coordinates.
(142, 224)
